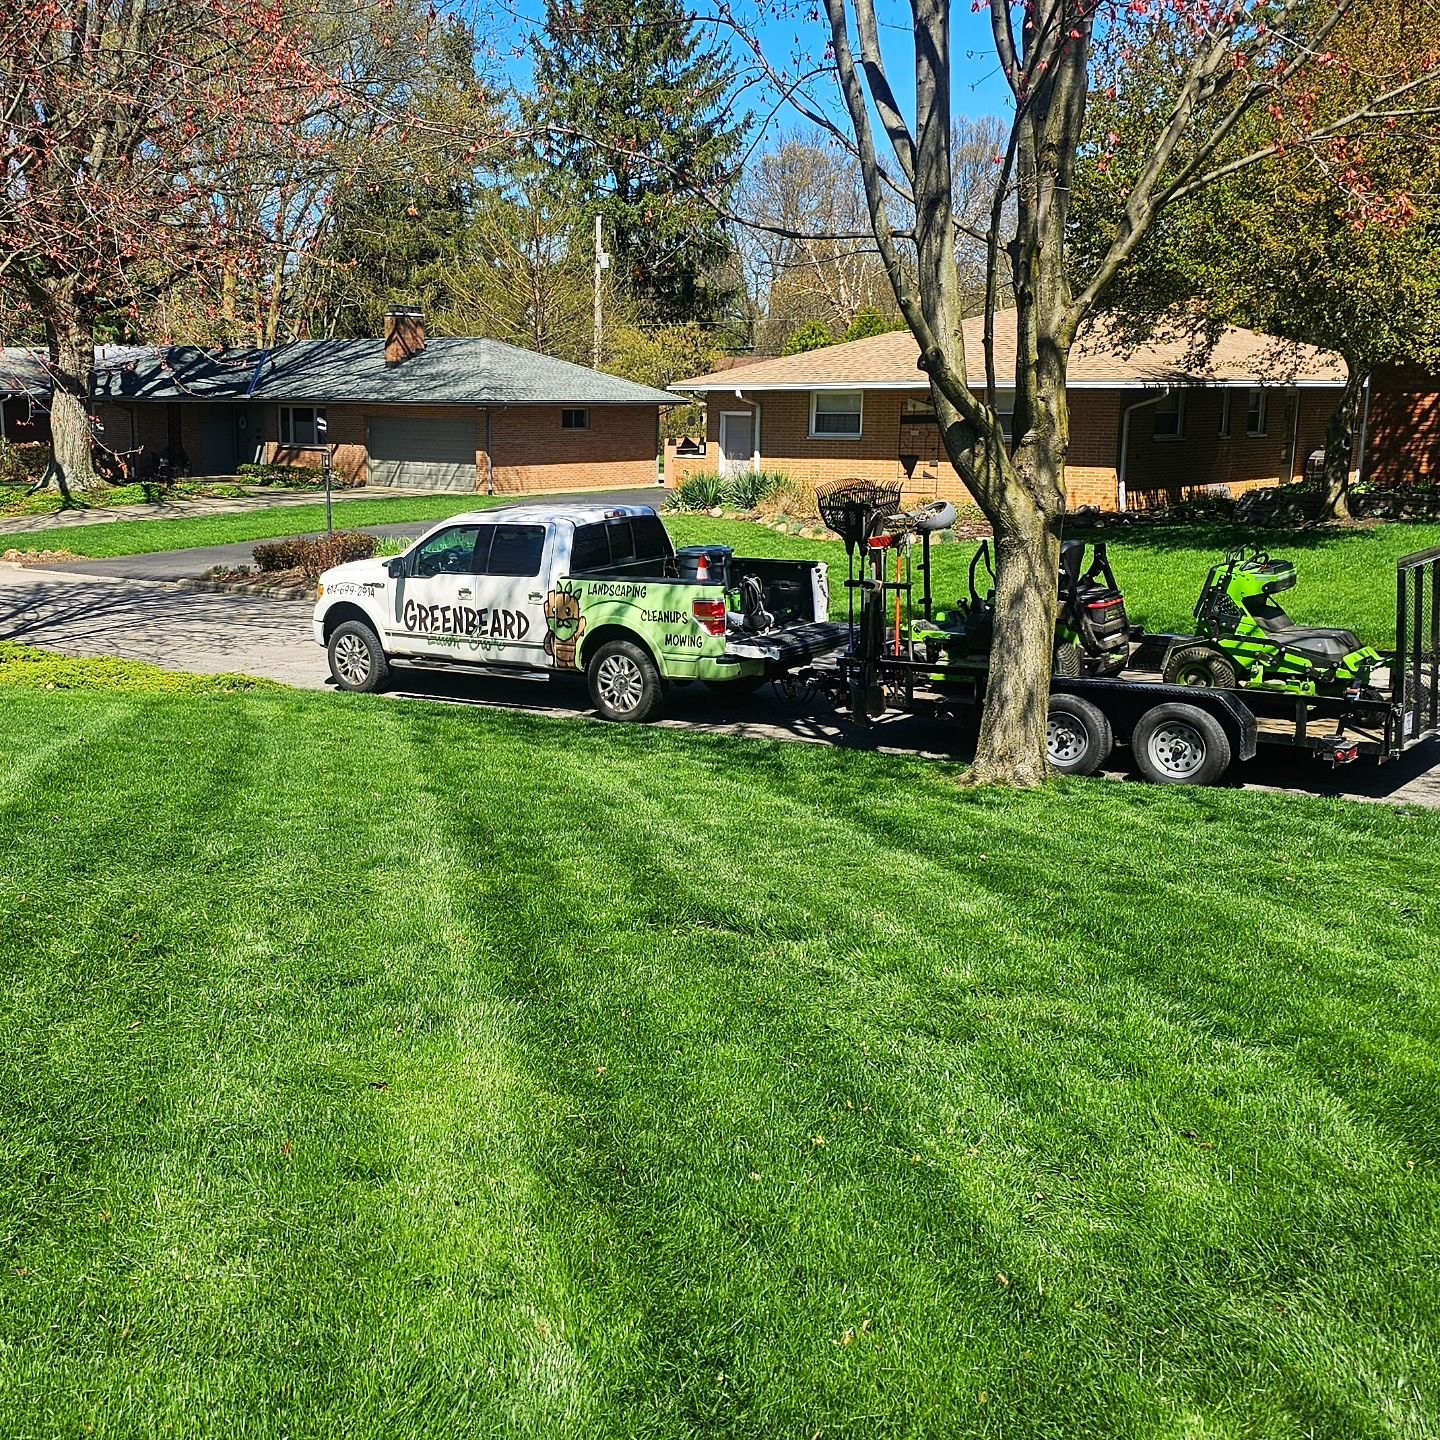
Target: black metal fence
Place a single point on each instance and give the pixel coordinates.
(1415, 675)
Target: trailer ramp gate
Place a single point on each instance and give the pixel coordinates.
(1415, 674)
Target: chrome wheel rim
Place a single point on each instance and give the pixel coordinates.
(1176, 750)
(352, 660)
(619, 682)
(1065, 740)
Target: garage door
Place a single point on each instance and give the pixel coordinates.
(423, 454)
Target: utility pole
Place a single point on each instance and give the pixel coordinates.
(602, 264)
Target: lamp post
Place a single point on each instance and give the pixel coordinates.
(320, 431)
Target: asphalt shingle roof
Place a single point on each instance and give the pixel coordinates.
(1100, 359)
(448, 371)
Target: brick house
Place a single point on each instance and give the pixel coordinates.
(1402, 428)
(439, 414)
(1148, 426)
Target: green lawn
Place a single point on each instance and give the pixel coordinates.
(1347, 577)
(148, 537)
(405, 1071)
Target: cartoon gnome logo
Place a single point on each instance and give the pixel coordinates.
(564, 625)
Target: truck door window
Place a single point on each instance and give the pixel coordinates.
(451, 552)
(590, 550)
(515, 550)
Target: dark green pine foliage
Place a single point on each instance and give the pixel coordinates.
(636, 110)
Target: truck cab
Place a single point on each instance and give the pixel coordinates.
(535, 591)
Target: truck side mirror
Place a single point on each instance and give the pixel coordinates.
(395, 567)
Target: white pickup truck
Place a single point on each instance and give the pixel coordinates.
(535, 591)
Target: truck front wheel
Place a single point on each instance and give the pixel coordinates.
(357, 659)
(624, 683)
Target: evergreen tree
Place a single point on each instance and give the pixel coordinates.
(812, 335)
(636, 110)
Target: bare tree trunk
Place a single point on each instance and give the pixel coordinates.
(1011, 750)
(72, 366)
(1340, 444)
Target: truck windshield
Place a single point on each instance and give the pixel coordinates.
(634, 541)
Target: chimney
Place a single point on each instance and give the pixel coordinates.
(404, 333)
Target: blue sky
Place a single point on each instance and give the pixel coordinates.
(791, 29)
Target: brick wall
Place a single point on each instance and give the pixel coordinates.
(530, 450)
(1163, 471)
(887, 436)
(1403, 435)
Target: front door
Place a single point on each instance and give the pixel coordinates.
(737, 445)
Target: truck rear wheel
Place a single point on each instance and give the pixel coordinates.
(624, 683)
(1180, 745)
(357, 659)
(1077, 736)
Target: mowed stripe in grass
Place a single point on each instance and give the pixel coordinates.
(152, 537)
(727, 1088)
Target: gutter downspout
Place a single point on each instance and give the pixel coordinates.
(1121, 494)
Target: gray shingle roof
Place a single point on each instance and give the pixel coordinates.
(446, 372)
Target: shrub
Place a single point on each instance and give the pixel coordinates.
(750, 488)
(702, 491)
(297, 477)
(23, 463)
(312, 557)
(792, 498)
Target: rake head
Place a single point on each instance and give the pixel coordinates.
(851, 508)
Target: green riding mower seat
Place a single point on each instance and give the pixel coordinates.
(1324, 647)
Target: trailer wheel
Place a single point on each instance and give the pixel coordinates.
(1078, 737)
(1180, 745)
(624, 683)
(1201, 666)
(357, 659)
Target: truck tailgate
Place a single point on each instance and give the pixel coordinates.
(793, 645)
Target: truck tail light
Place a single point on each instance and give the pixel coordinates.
(711, 615)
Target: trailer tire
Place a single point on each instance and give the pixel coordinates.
(1180, 745)
(624, 683)
(357, 658)
(1078, 737)
(1201, 666)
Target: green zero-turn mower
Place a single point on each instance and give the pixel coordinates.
(1092, 628)
(1245, 638)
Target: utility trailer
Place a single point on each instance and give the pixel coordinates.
(1180, 734)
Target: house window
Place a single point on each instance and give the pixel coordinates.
(922, 412)
(1227, 404)
(835, 414)
(1170, 417)
(574, 419)
(1257, 419)
(302, 425)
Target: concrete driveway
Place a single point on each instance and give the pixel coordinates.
(208, 633)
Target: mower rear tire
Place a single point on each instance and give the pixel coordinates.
(1078, 737)
(1069, 662)
(1201, 666)
(1180, 745)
